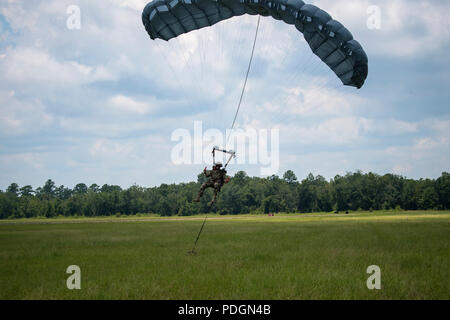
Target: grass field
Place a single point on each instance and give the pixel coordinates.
(313, 256)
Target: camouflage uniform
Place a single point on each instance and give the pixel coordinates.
(216, 181)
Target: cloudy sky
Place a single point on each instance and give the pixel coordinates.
(100, 103)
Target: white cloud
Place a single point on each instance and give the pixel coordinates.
(403, 169)
(34, 66)
(425, 145)
(129, 105)
(392, 127)
(413, 161)
(336, 131)
(347, 131)
(440, 126)
(109, 125)
(108, 148)
(31, 159)
(137, 5)
(19, 117)
(316, 101)
(408, 28)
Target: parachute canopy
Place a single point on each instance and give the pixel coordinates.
(328, 39)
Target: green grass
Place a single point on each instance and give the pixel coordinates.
(313, 256)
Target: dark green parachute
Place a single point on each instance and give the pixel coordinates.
(328, 39)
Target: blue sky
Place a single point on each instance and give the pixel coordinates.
(99, 104)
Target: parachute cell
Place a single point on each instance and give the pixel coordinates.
(327, 38)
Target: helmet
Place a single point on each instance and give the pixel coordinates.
(218, 165)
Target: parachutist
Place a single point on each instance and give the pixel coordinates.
(217, 178)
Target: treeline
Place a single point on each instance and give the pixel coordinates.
(244, 194)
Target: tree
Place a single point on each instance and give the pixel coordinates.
(80, 188)
(13, 189)
(341, 193)
(289, 177)
(26, 191)
(188, 209)
(240, 178)
(49, 188)
(442, 187)
(164, 208)
(63, 193)
(271, 205)
(109, 188)
(94, 188)
(243, 194)
(201, 178)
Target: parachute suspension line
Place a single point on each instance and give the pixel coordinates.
(282, 118)
(198, 237)
(237, 35)
(174, 74)
(296, 75)
(177, 46)
(232, 154)
(246, 78)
